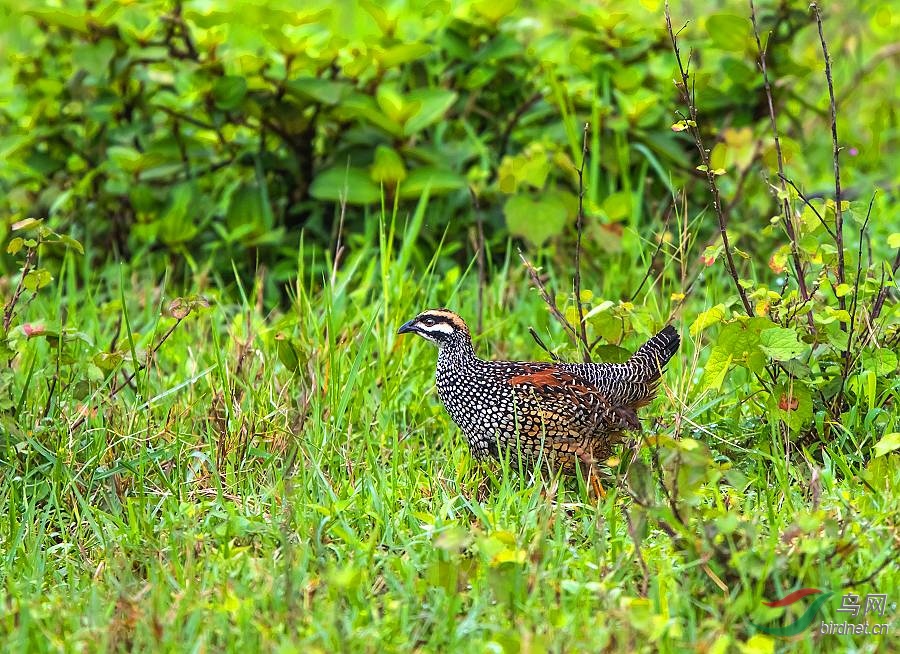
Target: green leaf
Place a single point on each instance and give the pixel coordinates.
(535, 219)
(388, 166)
(37, 279)
(707, 319)
(842, 290)
(352, 183)
(15, 245)
(612, 353)
(401, 54)
(431, 105)
(715, 369)
(180, 220)
(436, 180)
(71, 243)
(229, 91)
(888, 443)
(617, 206)
(792, 404)
(248, 207)
(893, 240)
(781, 343)
(323, 91)
(728, 31)
(881, 361)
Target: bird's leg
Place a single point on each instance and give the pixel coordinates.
(591, 476)
(597, 487)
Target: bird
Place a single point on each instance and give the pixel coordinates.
(562, 416)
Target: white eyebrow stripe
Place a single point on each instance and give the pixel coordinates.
(442, 327)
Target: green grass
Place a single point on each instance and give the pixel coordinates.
(230, 502)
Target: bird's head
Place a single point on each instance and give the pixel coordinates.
(440, 326)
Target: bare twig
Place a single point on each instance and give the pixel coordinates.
(836, 150)
(786, 209)
(338, 248)
(9, 309)
(854, 302)
(892, 557)
(659, 246)
(809, 204)
(513, 121)
(579, 226)
(537, 339)
(545, 296)
(688, 97)
(838, 398)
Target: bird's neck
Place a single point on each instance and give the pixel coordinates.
(458, 351)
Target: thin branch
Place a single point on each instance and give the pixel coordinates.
(855, 300)
(838, 398)
(10, 308)
(836, 150)
(582, 328)
(537, 339)
(659, 246)
(688, 97)
(545, 296)
(338, 248)
(809, 204)
(513, 121)
(890, 558)
(786, 209)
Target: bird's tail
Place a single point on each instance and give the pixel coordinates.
(651, 358)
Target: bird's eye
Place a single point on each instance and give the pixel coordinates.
(429, 322)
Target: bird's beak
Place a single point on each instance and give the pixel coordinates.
(407, 327)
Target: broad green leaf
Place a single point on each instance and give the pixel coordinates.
(707, 319)
(388, 166)
(792, 404)
(436, 180)
(881, 361)
(617, 206)
(888, 443)
(322, 91)
(781, 343)
(430, 106)
(37, 279)
(392, 103)
(354, 184)
(15, 245)
(893, 240)
(363, 107)
(536, 219)
(611, 353)
(248, 206)
(400, 54)
(715, 369)
(842, 290)
(729, 32)
(600, 308)
(183, 214)
(229, 91)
